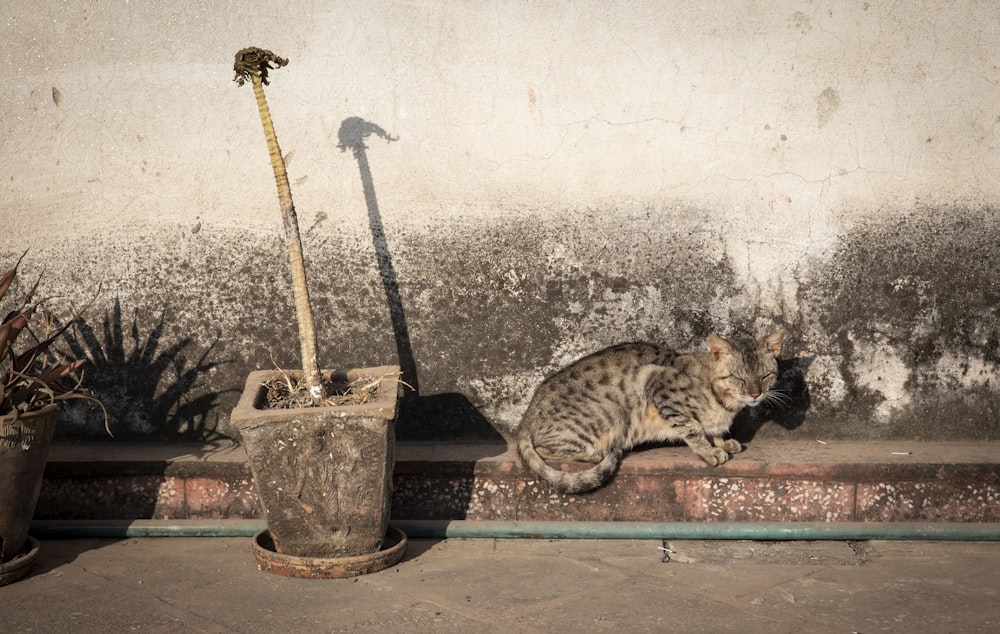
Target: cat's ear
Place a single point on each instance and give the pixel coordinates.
(773, 341)
(720, 347)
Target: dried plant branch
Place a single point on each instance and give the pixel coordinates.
(253, 64)
(36, 377)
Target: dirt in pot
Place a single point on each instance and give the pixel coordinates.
(287, 391)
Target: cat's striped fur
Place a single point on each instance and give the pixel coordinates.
(605, 404)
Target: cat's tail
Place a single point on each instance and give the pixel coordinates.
(567, 482)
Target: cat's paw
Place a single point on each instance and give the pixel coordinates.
(714, 456)
(731, 446)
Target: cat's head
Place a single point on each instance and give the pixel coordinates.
(744, 371)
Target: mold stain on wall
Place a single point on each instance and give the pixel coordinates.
(505, 304)
(906, 325)
(491, 307)
(896, 333)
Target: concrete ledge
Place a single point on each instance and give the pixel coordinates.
(805, 481)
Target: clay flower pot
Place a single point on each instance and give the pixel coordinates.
(323, 474)
(24, 450)
(34, 380)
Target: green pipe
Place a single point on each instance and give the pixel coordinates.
(760, 531)
(85, 529)
(492, 529)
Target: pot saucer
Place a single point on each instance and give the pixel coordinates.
(18, 567)
(393, 547)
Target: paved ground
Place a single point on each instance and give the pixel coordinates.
(213, 585)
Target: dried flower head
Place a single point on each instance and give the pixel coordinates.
(255, 61)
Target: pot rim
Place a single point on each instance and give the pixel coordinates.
(382, 406)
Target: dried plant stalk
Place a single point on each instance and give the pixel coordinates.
(253, 64)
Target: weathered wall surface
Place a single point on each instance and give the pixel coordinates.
(488, 190)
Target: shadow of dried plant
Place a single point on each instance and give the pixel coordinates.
(424, 416)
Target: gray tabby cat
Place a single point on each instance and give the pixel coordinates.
(604, 404)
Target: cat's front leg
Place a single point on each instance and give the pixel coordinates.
(666, 416)
(699, 443)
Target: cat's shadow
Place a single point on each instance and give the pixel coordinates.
(789, 413)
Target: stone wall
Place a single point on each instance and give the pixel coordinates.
(489, 190)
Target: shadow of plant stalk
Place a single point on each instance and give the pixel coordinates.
(427, 416)
(150, 392)
(351, 136)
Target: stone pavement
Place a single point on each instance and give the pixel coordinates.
(487, 585)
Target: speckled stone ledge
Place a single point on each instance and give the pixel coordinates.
(770, 482)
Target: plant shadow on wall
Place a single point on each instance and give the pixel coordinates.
(421, 417)
(452, 412)
(151, 391)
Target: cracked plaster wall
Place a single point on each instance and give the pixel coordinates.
(553, 180)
